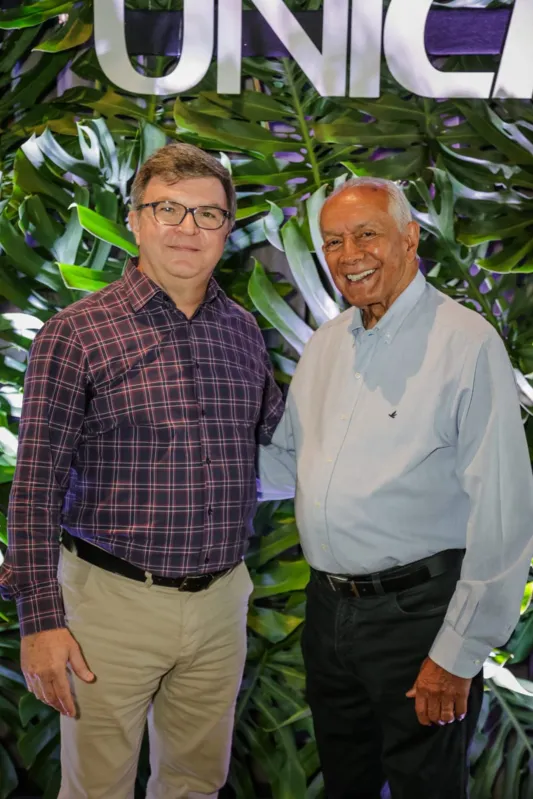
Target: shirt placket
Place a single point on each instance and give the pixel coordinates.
(366, 343)
(200, 376)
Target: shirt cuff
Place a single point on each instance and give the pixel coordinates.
(40, 610)
(463, 657)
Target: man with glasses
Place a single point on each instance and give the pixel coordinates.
(143, 407)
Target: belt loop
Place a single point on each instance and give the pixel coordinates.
(149, 579)
(376, 582)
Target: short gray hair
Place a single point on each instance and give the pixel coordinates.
(399, 207)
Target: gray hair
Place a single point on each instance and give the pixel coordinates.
(399, 207)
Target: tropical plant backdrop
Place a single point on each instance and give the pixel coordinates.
(70, 144)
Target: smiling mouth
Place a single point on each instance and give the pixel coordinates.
(362, 276)
(187, 249)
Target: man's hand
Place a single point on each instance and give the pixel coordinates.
(44, 659)
(440, 697)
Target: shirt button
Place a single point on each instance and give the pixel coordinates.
(329, 460)
(343, 416)
(208, 460)
(357, 375)
(210, 511)
(324, 547)
(203, 411)
(317, 503)
(197, 365)
(206, 559)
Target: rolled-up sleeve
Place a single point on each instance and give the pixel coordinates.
(52, 417)
(277, 462)
(494, 469)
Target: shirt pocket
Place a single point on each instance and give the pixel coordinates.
(147, 394)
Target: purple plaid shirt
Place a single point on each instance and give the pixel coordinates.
(138, 433)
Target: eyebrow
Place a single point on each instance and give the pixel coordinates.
(200, 205)
(357, 227)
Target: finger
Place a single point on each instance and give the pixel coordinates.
(434, 709)
(48, 693)
(65, 700)
(412, 693)
(447, 710)
(461, 707)
(29, 682)
(421, 709)
(37, 689)
(79, 666)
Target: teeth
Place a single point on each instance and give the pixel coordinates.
(357, 278)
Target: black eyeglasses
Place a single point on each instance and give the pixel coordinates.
(207, 217)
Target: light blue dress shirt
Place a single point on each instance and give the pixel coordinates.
(406, 440)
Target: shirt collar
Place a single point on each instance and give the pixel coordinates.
(139, 289)
(391, 322)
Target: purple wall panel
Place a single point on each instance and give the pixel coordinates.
(448, 32)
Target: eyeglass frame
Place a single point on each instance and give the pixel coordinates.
(191, 211)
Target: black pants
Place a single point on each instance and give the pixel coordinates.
(361, 656)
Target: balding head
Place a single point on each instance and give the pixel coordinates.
(398, 205)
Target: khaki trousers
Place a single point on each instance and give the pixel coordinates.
(171, 657)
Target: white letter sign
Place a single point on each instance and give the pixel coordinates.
(515, 78)
(196, 54)
(326, 70)
(406, 56)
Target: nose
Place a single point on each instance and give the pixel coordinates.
(188, 225)
(351, 251)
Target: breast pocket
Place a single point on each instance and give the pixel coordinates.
(145, 395)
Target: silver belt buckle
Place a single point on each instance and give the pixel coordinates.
(355, 590)
(332, 580)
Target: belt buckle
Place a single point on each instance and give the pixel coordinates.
(194, 579)
(331, 582)
(354, 589)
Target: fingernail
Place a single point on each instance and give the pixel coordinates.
(441, 723)
(462, 717)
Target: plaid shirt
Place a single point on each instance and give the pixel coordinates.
(138, 433)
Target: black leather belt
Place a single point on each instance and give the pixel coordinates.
(104, 560)
(391, 580)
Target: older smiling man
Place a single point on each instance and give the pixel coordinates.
(414, 500)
